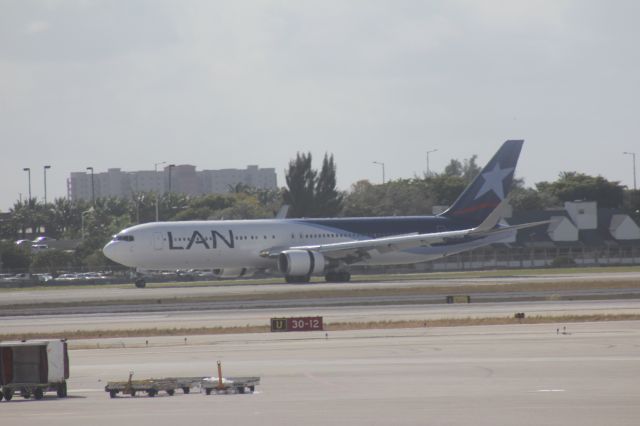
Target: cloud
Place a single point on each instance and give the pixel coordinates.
(224, 84)
(36, 27)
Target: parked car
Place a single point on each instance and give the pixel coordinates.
(43, 278)
(68, 277)
(19, 277)
(43, 240)
(35, 248)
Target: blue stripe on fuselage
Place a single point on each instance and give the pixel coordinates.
(376, 227)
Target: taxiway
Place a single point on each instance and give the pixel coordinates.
(498, 375)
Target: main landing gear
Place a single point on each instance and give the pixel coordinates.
(302, 279)
(330, 277)
(337, 277)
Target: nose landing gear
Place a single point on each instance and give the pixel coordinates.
(138, 279)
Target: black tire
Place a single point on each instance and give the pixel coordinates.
(38, 393)
(186, 390)
(1, 396)
(113, 393)
(207, 391)
(62, 390)
(140, 283)
(252, 388)
(170, 392)
(152, 392)
(25, 394)
(241, 390)
(132, 392)
(337, 277)
(8, 395)
(301, 279)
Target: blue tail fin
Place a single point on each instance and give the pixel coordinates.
(489, 188)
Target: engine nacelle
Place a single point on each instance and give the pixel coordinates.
(233, 272)
(299, 263)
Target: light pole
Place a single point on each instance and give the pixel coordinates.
(633, 155)
(45, 184)
(171, 166)
(93, 190)
(381, 164)
(428, 169)
(28, 170)
(155, 165)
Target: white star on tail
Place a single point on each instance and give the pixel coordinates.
(493, 181)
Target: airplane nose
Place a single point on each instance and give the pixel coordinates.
(108, 250)
(113, 252)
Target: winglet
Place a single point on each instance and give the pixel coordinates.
(494, 217)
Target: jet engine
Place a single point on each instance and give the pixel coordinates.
(299, 263)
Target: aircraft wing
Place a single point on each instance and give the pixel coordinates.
(361, 249)
(353, 251)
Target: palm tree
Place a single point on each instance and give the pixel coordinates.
(28, 215)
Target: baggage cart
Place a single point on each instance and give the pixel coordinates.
(222, 384)
(230, 385)
(32, 368)
(150, 386)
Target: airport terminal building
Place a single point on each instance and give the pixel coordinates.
(179, 179)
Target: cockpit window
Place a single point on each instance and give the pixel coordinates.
(123, 238)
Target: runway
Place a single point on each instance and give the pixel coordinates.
(110, 293)
(258, 295)
(242, 317)
(498, 375)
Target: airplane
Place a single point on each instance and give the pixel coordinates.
(300, 248)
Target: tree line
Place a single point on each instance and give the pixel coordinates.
(309, 193)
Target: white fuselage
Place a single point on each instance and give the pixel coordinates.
(239, 244)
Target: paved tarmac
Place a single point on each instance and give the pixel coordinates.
(243, 317)
(256, 296)
(102, 294)
(485, 375)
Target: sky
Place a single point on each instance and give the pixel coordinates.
(225, 84)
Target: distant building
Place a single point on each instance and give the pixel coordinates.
(179, 179)
(222, 181)
(182, 179)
